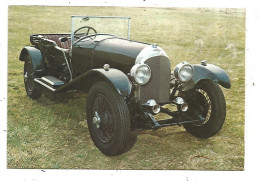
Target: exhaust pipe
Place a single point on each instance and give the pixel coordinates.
(152, 106)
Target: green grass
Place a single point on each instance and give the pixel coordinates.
(47, 134)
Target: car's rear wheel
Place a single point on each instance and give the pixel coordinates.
(33, 90)
(108, 120)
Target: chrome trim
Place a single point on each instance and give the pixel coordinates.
(135, 68)
(204, 62)
(179, 100)
(151, 102)
(160, 66)
(66, 60)
(116, 17)
(96, 119)
(152, 107)
(184, 107)
(178, 68)
(129, 28)
(72, 33)
(67, 65)
(181, 103)
(156, 108)
(106, 67)
(37, 80)
(52, 83)
(25, 76)
(148, 52)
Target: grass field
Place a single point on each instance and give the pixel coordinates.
(46, 134)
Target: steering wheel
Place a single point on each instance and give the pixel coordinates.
(84, 27)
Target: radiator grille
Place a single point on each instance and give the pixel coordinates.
(158, 88)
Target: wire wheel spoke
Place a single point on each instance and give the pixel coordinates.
(199, 106)
(105, 128)
(204, 106)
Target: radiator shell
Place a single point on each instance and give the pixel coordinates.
(158, 87)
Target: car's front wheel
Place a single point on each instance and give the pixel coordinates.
(206, 101)
(108, 120)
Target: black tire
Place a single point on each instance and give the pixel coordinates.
(207, 101)
(33, 90)
(108, 120)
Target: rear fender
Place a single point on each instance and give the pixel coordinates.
(34, 54)
(210, 72)
(116, 78)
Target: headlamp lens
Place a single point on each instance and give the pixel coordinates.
(141, 73)
(183, 71)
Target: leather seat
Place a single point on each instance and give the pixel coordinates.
(56, 38)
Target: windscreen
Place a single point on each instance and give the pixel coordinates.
(88, 25)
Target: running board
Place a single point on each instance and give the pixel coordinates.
(50, 82)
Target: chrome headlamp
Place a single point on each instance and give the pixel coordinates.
(141, 73)
(183, 71)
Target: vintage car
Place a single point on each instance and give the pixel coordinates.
(127, 82)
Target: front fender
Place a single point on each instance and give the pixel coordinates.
(209, 71)
(116, 78)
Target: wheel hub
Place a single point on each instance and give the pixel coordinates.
(96, 119)
(200, 106)
(103, 119)
(25, 76)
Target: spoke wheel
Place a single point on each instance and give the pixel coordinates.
(28, 76)
(103, 119)
(108, 120)
(33, 90)
(199, 106)
(207, 103)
